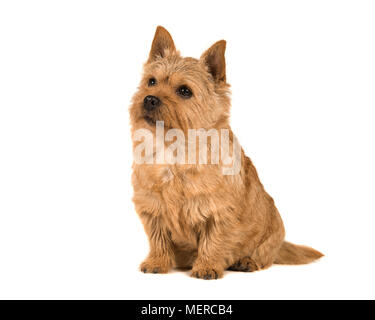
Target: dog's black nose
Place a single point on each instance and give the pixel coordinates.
(151, 102)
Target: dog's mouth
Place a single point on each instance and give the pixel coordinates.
(151, 121)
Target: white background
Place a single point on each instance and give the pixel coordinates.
(303, 80)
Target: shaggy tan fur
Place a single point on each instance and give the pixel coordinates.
(194, 216)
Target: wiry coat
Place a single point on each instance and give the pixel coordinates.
(194, 216)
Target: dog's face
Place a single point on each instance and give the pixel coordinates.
(185, 93)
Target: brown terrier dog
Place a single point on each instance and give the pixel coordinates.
(194, 215)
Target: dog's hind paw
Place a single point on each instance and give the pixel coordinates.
(245, 264)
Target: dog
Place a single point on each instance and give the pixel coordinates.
(194, 215)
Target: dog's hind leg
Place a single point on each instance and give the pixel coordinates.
(263, 256)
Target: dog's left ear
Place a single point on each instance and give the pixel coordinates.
(162, 45)
(214, 58)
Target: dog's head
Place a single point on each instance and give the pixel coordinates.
(185, 93)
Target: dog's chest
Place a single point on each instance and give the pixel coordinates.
(186, 196)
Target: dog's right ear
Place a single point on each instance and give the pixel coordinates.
(162, 45)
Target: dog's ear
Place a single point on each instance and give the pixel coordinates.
(162, 45)
(214, 58)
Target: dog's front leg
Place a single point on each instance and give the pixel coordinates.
(212, 245)
(160, 257)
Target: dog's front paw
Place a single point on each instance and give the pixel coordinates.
(155, 266)
(206, 273)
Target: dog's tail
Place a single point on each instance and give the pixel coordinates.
(295, 254)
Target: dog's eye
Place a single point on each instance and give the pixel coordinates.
(151, 82)
(184, 92)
